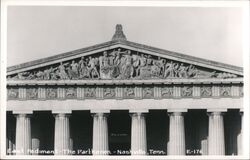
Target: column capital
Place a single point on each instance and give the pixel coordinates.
(25, 115)
(137, 114)
(217, 110)
(61, 111)
(138, 111)
(99, 111)
(177, 110)
(101, 114)
(22, 112)
(62, 115)
(217, 113)
(176, 113)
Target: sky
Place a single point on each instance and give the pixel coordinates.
(36, 32)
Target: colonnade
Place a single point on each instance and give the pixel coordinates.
(175, 146)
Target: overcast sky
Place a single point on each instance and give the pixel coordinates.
(39, 32)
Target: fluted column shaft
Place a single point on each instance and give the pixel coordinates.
(62, 134)
(23, 134)
(177, 134)
(100, 134)
(216, 141)
(138, 134)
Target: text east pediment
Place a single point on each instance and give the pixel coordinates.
(120, 63)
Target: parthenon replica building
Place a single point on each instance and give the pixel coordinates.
(124, 98)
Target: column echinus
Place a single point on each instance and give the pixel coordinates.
(138, 133)
(62, 134)
(100, 133)
(23, 134)
(216, 142)
(176, 144)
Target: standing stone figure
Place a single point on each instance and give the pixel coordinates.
(62, 71)
(92, 68)
(176, 69)
(142, 65)
(169, 70)
(46, 74)
(161, 64)
(115, 65)
(127, 68)
(104, 66)
(74, 70)
(83, 70)
(136, 63)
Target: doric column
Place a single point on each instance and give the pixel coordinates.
(62, 134)
(138, 134)
(100, 134)
(176, 144)
(239, 137)
(23, 134)
(216, 142)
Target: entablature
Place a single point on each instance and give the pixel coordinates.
(125, 89)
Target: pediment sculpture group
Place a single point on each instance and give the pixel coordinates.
(119, 64)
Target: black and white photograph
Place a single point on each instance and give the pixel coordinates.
(132, 80)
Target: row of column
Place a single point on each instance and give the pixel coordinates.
(176, 144)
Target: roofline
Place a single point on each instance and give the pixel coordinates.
(128, 43)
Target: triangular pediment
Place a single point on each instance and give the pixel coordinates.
(121, 59)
